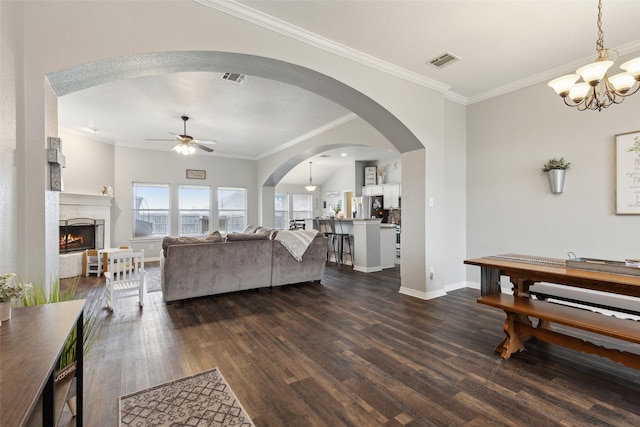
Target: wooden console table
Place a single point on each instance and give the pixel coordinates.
(30, 344)
(519, 308)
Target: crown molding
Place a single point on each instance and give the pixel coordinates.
(341, 120)
(274, 24)
(549, 75)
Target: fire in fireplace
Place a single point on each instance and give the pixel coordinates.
(79, 234)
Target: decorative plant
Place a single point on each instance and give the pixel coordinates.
(555, 164)
(38, 297)
(337, 208)
(10, 290)
(635, 147)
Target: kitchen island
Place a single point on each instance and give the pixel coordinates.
(374, 243)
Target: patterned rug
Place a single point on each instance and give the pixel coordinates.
(152, 276)
(203, 399)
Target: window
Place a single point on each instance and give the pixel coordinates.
(232, 209)
(282, 211)
(193, 216)
(302, 206)
(150, 210)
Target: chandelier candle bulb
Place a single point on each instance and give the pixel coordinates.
(594, 72)
(633, 68)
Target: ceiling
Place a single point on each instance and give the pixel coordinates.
(502, 46)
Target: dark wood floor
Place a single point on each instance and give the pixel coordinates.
(352, 351)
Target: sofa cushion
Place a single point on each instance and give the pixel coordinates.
(169, 241)
(242, 237)
(269, 231)
(214, 237)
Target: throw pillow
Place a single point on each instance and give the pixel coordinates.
(241, 237)
(214, 237)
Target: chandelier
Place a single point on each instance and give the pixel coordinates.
(185, 148)
(596, 90)
(310, 187)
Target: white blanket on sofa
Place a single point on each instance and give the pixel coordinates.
(296, 242)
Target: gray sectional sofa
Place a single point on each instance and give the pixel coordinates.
(191, 267)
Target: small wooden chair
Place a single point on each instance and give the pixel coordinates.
(126, 273)
(92, 263)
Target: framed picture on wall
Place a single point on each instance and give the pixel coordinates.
(370, 174)
(196, 174)
(628, 173)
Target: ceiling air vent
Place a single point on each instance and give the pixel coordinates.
(442, 60)
(233, 77)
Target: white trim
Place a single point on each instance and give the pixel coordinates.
(279, 26)
(547, 75)
(421, 295)
(367, 269)
(322, 129)
(461, 285)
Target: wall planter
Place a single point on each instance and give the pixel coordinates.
(556, 180)
(556, 170)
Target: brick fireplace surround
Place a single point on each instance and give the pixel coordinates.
(94, 206)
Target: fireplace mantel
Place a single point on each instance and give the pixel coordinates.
(85, 199)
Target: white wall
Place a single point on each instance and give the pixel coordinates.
(117, 29)
(90, 163)
(154, 166)
(11, 101)
(510, 208)
(455, 202)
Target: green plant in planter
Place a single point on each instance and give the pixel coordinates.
(555, 164)
(37, 296)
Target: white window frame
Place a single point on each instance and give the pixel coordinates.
(221, 212)
(141, 216)
(285, 211)
(309, 212)
(181, 210)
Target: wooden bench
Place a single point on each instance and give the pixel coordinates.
(518, 327)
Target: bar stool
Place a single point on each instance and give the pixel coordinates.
(322, 226)
(337, 242)
(342, 236)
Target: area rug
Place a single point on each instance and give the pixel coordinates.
(152, 277)
(203, 399)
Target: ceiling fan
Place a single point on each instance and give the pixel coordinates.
(186, 143)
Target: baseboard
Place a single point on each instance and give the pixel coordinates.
(421, 295)
(367, 269)
(461, 285)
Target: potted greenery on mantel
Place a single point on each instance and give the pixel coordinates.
(555, 170)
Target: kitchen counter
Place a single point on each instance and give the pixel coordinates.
(374, 243)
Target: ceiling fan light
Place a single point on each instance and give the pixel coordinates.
(633, 68)
(622, 82)
(579, 92)
(594, 72)
(562, 85)
(184, 149)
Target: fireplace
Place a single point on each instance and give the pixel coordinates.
(79, 234)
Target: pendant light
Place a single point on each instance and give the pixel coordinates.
(597, 90)
(310, 187)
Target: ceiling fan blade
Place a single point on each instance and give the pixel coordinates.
(205, 141)
(202, 147)
(160, 139)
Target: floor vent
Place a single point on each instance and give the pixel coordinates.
(233, 77)
(442, 60)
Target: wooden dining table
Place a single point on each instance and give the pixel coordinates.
(524, 274)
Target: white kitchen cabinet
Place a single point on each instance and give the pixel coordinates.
(372, 190)
(391, 194)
